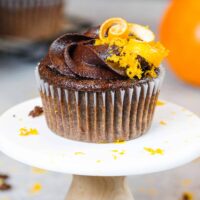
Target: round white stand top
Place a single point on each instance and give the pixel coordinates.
(175, 133)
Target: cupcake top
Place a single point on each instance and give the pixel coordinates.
(116, 50)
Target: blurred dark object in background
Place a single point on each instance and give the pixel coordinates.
(31, 19)
(35, 50)
(27, 27)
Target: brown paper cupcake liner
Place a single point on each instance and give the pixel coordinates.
(109, 116)
(31, 19)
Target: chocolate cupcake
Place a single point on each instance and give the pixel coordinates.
(31, 19)
(101, 86)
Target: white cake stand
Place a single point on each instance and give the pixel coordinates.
(101, 168)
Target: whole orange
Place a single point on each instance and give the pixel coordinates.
(180, 33)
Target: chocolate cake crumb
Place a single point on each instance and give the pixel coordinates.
(36, 112)
(3, 185)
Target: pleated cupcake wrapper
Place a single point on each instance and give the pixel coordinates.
(31, 19)
(99, 116)
(16, 4)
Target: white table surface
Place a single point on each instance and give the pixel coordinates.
(17, 84)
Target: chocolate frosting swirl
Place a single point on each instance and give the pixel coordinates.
(74, 55)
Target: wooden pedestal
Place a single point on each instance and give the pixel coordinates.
(99, 188)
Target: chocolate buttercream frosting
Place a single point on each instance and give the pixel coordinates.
(74, 55)
(74, 62)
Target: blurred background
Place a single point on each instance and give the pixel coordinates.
(27, 27)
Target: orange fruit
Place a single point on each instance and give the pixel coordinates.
(114, 27)
(180, 33)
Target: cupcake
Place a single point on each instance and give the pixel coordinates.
(31, 19)
(102, 86)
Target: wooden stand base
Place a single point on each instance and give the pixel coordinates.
(99, 188)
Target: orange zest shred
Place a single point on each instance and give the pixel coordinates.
(154, 151)
(121, 153)
(79, 153)
(113, 32)
(36, 170)
(163, 123)
(120, 142)
(27, 132)
(141, 32)
(37, 187)
(114, 27)
(114, 157)
(129, 50)
(160, 103)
